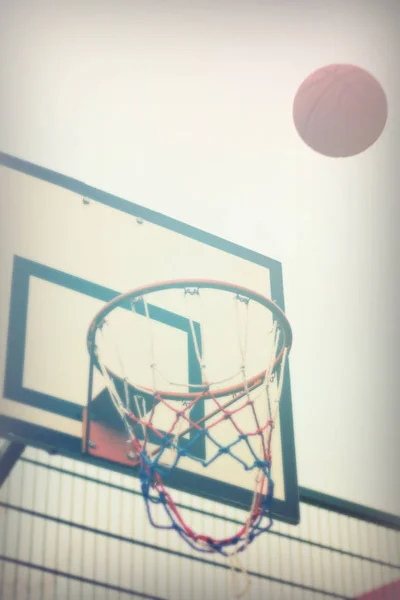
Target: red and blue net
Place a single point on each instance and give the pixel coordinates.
(231, 420)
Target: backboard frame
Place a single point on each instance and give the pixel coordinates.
(286, 510)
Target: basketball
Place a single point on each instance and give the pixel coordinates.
(340, 110)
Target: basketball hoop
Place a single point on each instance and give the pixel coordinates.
(161, 420)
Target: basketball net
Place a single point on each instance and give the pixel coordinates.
(230, 416)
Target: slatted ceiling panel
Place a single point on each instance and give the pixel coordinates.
(71, 530)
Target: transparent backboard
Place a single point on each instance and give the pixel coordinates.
(66, 250)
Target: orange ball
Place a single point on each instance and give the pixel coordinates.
(340, 110)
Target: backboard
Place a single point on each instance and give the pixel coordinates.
(66, 250)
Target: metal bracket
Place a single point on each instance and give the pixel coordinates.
(10, 453)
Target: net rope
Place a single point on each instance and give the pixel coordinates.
(156, 463)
